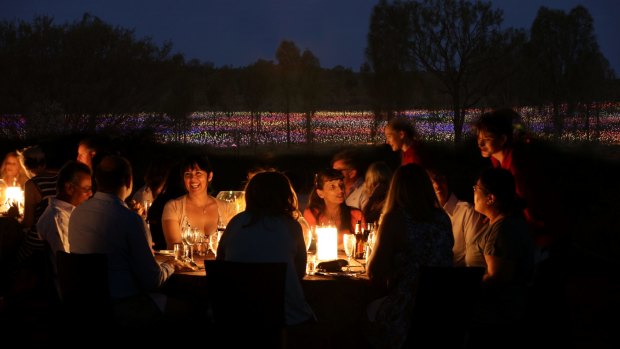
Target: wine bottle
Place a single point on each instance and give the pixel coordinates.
(359, 239)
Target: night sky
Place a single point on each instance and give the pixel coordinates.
(239, 32)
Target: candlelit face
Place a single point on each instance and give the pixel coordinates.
(11, 166)
(440, 186)
(490, 144)
(85, 155)
(80, 189)
(332, 191)
(481, 198)
(394, 138)
(196, 180)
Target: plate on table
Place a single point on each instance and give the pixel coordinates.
(165, 252)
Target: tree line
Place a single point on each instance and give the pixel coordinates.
(420, 54)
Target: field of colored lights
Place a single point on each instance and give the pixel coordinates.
(236, 129)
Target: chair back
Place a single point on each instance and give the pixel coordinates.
(247, 301)
(444, 306)
(83, 283)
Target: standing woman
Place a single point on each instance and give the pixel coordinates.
(327, 204)
(414, 232)
(543, 211)
(268, 232)
(196, 209)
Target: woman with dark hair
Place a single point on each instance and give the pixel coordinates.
(414, 232)
(505, 248)
(327, 204)
(496, 141)
(268, 232)
(172, 189)
(195, 209)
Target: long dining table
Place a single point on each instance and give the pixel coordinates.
(338, 300)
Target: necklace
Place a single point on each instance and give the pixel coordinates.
(203, 208)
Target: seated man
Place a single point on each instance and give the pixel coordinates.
(74, 186)
(104, 224)
(467, 224)
(346, 162)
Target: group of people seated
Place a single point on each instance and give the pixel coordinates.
(93, 208)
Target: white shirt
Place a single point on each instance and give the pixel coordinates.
(466, 225)
(357, 197)
(53, 226)
(143, 194)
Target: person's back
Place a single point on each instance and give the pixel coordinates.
(413, 233)
(39, 188)
(104, 224)
(270, 240)
(267, 232)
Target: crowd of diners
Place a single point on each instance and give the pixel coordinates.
(90, 206)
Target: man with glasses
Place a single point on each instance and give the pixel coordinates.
(346, 162)
(74, 186)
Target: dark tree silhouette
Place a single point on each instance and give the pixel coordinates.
(565, 60)
(462, 45)
(389, 61)
(289, 64)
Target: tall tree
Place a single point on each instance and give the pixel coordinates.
(256, 83)
(389, 60)
(462, 45)
(310, 82)
(289, 63)
(565, 60)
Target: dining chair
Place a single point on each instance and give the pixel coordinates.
(444, 304)
(246, 302)
(83, 285)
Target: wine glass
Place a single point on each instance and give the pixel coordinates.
(189, 238)
(370, 245)
(349, 246)
(214, 241)
(147, 205)
(235, 200)
(307, 231)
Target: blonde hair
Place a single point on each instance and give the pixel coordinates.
(22, 174)
(378, 173)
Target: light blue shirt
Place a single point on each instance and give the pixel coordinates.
(104, 224)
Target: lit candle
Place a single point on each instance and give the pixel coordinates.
(327, 243)
(15, 196)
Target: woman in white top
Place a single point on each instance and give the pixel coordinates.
(196, 209)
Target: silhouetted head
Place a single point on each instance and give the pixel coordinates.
(270, 193)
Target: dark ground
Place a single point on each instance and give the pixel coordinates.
(576, 299)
